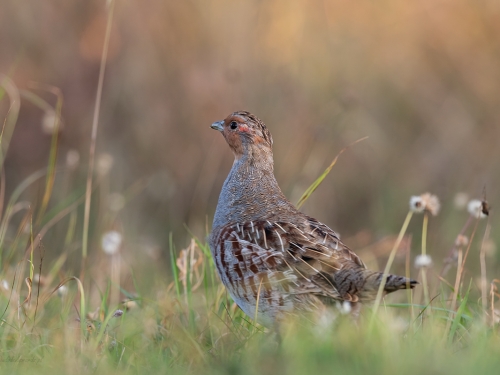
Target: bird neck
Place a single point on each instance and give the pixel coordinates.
(251, 192)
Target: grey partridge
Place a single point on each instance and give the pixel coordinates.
(273, 259)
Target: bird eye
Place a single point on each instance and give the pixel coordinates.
(233, 125)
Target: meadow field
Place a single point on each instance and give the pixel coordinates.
(110, 174)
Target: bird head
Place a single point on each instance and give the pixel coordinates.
(245, 134)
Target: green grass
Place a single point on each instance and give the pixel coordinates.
(203, 335)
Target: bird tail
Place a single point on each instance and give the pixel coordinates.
(394, 282)
(372, 280)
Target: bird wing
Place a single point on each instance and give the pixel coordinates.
(306, 254)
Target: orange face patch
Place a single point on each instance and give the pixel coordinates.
(244, 128)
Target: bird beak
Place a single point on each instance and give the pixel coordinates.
(217, 125)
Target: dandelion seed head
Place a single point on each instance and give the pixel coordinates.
(49, 122)
(423, 260)
(461, 241)
(62, 291)
(111, 242)
(431, 203)
(37, 279)
(346, 307)
(425, 202)
(104, 164)
(72, 159)
(416, 204)
(475, 208)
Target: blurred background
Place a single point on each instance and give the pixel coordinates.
(420, 79)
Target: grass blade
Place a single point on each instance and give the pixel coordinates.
(320, 179)
(173, 264)
(456, 321)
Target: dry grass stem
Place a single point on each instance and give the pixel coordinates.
(93, 139)
(389, 264)
(482, 261)
(424, 253)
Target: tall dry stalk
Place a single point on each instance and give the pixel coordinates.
(95, 122)
(482, 261)
(424, 253)
(460, 270)
(389, 264)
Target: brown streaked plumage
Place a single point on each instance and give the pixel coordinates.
(272, 258)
